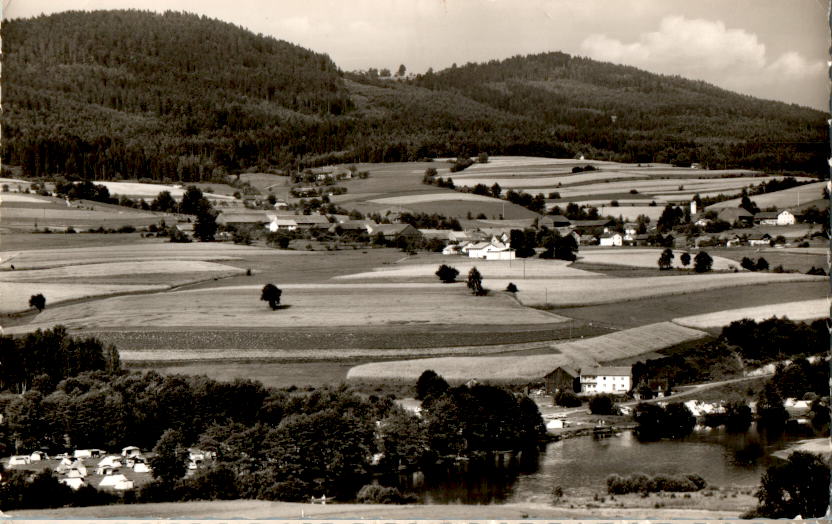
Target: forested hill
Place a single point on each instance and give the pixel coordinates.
(137, 94)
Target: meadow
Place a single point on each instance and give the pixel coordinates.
(786, 198)
(592, 291)
(16, 294)
(645, 258)
(137, 190)
(315, 305)
(798, 311)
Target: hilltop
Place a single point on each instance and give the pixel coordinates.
(136, 94)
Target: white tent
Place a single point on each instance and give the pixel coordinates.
(37, 456)
(130, 451)
(73, 483)
(106, 470)
(111, 481)
(77, 473)
(110, 460)
(18, 460)
(141, 467)
(123, 485)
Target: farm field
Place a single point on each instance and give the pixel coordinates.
(661, 309)
(644, 258)
(628, 342)
(547, 181)
(140, 252)
(797, 259)
(16, 294)
(591, 291)
(517, 269)
(304, 305)
(136, 190)
(15, 241)
(786, 198)
(630, 213)
(25, 211)
(168, 272)
(430, 197)
(461, 369)
(798, 311)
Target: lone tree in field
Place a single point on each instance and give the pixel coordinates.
(37, 301)
(702, 262)
(666, 259)
(685, 259)
(475, 282)
(511, 288)
(762, 264)
(447, 274)
(271, 294)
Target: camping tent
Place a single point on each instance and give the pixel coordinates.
(111, 481)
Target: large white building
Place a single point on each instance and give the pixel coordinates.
(606, 379)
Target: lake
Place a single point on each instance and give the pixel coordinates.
(721, 458)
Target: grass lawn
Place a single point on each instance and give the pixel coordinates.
(790, 259)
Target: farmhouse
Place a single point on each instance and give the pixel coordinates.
(390, 231)
(590, 226)
(775, 218)
(493, 250)
(561, 379)
(236, 219)
(735, 214)
(310, 221)
(609, 379)
(553, 222)
(360, 226)
(611, 239)
(282, 224)
(759, 239)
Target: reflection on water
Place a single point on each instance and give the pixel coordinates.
(721, 458)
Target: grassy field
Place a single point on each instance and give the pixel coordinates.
(417, 269)
(14, 241)
(791, 259)
(460, 369)
(136, 190)
(165, 272)
(699, 508)
(138, 252)
(781, 199)
(21, 211)
(642, 257)
(666, 308)
(312, 305)
(16, 294)
(600, 290)
(802, 310)
(629, 342)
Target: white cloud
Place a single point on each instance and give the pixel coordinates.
(708, 50)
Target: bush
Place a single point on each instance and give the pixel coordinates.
(376, 494)
(567, 399)
(37, 301)
(511, 288)
(702, 262)
(447, 274)
(602, 405)
(641, 483)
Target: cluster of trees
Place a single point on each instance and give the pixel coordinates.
(776, 339)
(472, 420)
(702, 262)
(44, 491)
(42, 359)
(654, 422)
(749, 264)
(432, 221)
(641, 483)
(84, 190)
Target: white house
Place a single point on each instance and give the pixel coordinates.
(494, 250)
(606, 379)
(786, 218)
(282, 224)
(759, 239)
(611, 239)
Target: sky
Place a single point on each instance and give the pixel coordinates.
(774, 49)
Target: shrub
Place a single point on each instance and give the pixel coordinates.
(602, 405)
(376, 494)
(641, 483)
(447, 274)
(567, 399)
(511, 288)
(37, 301)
